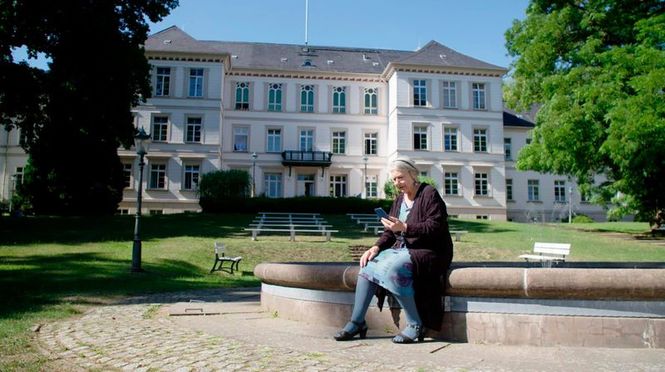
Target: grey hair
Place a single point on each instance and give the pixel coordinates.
(405, 165)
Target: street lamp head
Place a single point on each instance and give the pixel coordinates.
(254, 156)
(365, 158)
(141, 141)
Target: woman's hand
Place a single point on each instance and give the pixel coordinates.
(368, 255)
(393, 224)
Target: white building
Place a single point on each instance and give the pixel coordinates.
(327, 121)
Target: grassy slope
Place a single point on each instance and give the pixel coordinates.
(52, 268)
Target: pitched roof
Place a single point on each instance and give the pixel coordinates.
(436, 54)
(514, 119)
(291, 57)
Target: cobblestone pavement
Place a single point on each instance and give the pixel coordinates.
(140, 335)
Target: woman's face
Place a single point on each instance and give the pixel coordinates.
(402, 181)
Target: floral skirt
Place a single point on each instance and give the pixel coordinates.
(391, 269)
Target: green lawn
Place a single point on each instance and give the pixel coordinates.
(52, 268)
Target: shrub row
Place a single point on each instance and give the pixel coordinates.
(302, 204)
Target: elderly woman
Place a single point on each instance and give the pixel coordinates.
(408, 259)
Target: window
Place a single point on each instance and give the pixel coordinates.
(306, 185)
(193, 130)
(481, 184)
(371, 187)
(275, 97)
(451, 183)
(306, 140)
(478, 90)
(533, 188)
(273, 185)
(509, 189)
(482, 217)
(480, 140)
(196, 82)
(370, 143)
(339, 142)
(339, 100)
(127, 174)
(242, 96)
(163, 82)
(420, 93)
(449, 94)
(420, 138)
(338, 186)
(240, 139)
(192, 172)
(22, 137)
(307, 98)
(274, 143)
(508, 148)
(160, 125)
(560, 191)
(156, 212)
(449, 139)
(371, 105)
(18, 176)
(157, 176)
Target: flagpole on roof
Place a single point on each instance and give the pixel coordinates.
(306, 16)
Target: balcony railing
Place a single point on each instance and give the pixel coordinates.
(306, 158)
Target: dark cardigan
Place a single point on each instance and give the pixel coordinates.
(428, 239)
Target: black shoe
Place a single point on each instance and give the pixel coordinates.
(404, 339)
(360, 328)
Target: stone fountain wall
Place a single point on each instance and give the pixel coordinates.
(578, 304)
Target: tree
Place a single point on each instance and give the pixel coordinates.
(598, 69)
(76, 115)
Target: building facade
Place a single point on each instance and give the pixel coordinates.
(327, 121)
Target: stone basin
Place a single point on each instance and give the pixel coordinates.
(573, 304)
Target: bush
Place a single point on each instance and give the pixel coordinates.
(219, 187)
(581, 218)
(300, 204)
(391, 191)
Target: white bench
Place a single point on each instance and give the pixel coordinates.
(287, 214)
(292, 232)
(289, 225)
(548, 253)
(221, 258)
(458, 234)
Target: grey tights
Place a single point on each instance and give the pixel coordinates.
(364, 291)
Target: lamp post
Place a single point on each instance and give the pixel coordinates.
(365, 158)
(141, 142)
(12, 190)
(570, 203)
(254, 156)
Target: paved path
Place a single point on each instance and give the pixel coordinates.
(141, 335)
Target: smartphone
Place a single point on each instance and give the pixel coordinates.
(381, 213)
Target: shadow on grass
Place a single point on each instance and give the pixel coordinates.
(477, 227)
(37, 281)
(76, 230)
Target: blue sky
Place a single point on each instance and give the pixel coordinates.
(472, 27)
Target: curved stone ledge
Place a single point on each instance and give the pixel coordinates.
(590, 281)
(574, 304)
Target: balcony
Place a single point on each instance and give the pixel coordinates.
(291, 158)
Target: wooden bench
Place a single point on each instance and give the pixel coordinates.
(458, 234)
(548, 253)
(288, 214)
(289, 220)
(289, 225)
(221, 258)
(292, 232)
